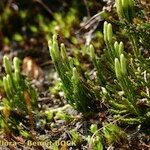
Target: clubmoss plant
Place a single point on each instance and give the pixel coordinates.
(125, 93)
(97, 64)
(133, 21)
(129, 79)
(125, 9)
(107, 30)
(16, 86)
(77, 91)
(21, 97)
(122, 72)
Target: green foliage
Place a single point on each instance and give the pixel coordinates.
(21, 97)
(113, 134)
(97, 64)
(15, 85)
(122, 73)
(63, 24)
(39, 22)
(25, 134)
(63, 116)
(74, 86)
(129, 84)
(96, 143)
(76, 137)
(129, 72)
(134, 24)
(125, 9)
(109, 134)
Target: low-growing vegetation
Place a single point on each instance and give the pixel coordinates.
(95, 92)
